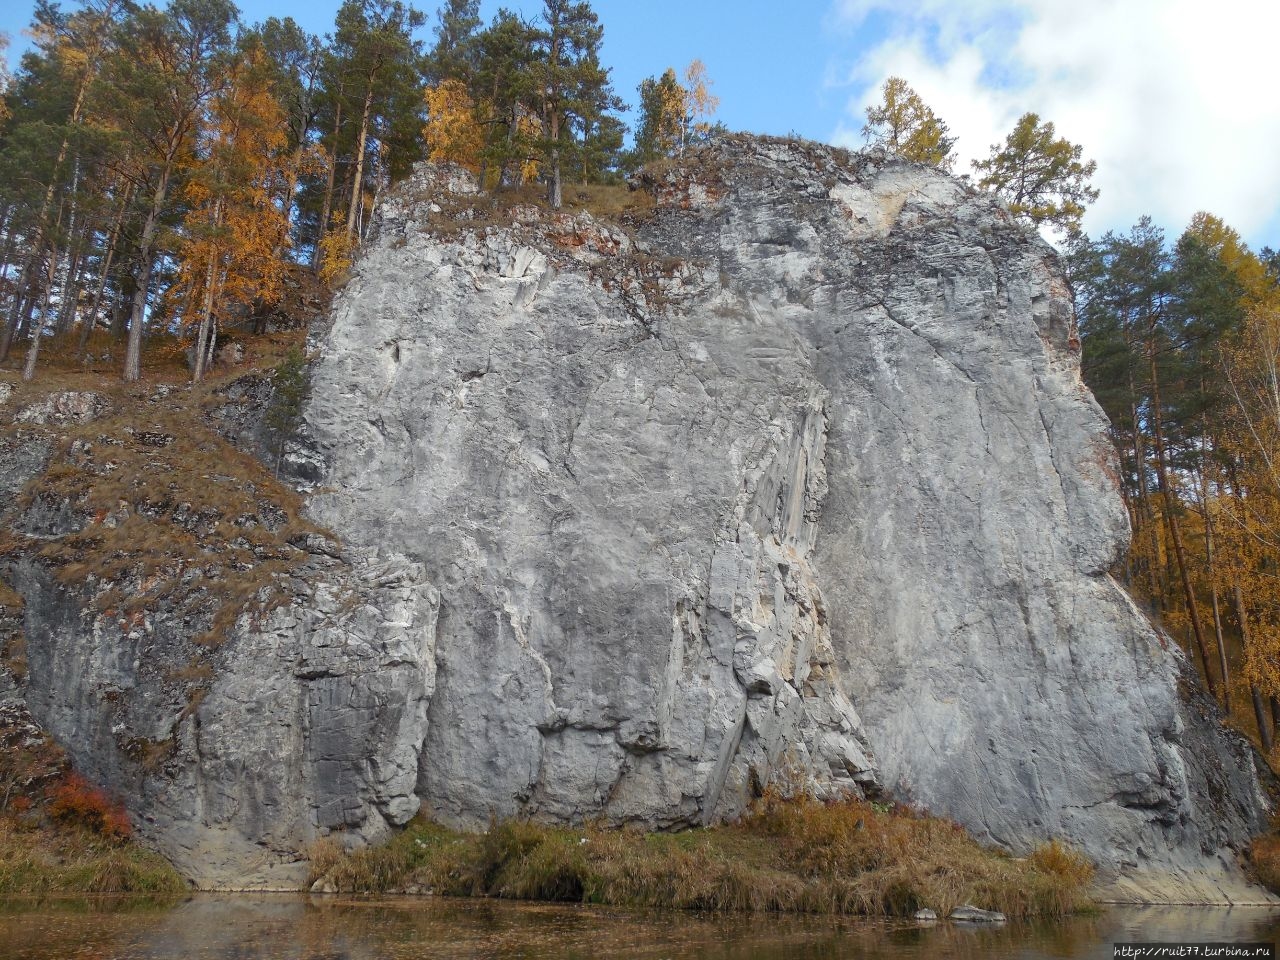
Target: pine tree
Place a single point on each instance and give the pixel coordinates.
(52, 98)
(171, 65)
(903, 123)
(295, 59)
(572, 86)
(454, 56)
(506, 92)
(377, 65)
(1041, 177)
(662, 112)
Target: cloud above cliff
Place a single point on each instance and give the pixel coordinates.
(1173, 98)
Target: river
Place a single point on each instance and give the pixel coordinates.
(253, 927)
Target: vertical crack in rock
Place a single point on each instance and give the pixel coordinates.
(801, 733)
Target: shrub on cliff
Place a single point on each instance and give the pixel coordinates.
(288, 397)
(76, 802)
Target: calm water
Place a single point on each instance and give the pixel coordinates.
(298, 928)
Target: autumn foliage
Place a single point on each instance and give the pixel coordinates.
(74, 801)
(166, 168)
(1181, 345)
(452, 131)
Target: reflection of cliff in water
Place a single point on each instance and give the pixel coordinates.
(297, 928)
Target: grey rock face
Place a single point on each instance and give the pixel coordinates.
(810, 446)
(795, 484)
(312, 723)
(66, 407)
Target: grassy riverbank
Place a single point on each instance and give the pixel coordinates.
(803, 856)
(37, 861)
(1264, 860)
(59, 833)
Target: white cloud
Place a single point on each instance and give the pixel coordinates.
(1173, 98)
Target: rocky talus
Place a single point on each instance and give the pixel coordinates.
(788, 481)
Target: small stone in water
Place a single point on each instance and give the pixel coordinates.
(974, 915)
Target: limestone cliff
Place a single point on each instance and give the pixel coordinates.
(791, 480)
(797, 480)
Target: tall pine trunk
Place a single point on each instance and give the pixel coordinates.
(326, 208)
(133, 349)
(33, 348)
(1259, 708)
(204, 343)
(1175, 531)
(91, 321)
(1211, 565)
(357, 188)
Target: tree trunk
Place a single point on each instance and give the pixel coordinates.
(23, 297)
(290, 191)
(326, 208)
(133, 351)
(33, 348)
(91, 321)
(490, 126)
(203, 345)
(1259, 710)
(1154, 569)
(71, 293)
(556, 197)
(1213, 577)
(33, 248)
(1175, 533)
(357, 188)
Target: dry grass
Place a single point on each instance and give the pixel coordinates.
(608, 203)
(63, 861)
(793, 856)
(167, 508)
(1264, 860)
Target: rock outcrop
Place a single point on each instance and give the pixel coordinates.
(790, 482)
(795, 482)
(313, 724)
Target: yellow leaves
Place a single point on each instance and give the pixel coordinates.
(1225, 242)
(234, 231)
(671, 99)
(699, 103)
(674, 113)
(336, 252)
(452, 131)
(904, 124)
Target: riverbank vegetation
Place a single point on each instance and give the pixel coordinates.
(60, 834)
(1264, 859)
(787, 856)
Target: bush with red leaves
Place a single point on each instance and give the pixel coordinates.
(77, 802)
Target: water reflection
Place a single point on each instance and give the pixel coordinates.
(296, 928)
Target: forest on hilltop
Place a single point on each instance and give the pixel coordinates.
(174, 170)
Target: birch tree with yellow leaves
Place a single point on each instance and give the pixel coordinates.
(229, 256)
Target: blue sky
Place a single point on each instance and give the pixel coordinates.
(1170, 97)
